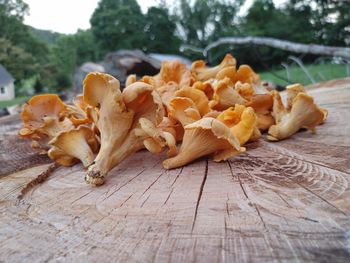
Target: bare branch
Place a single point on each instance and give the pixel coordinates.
(343, 52)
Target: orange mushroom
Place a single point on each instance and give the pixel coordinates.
(203, 137)
(79, 143)
(304, 113)
(44, 116)
(203, 73)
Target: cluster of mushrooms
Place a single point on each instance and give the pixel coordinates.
(211, 110)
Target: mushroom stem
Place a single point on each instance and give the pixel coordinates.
(191, 150)
(109, 157)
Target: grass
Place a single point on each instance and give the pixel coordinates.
(320, 72)
(18, 100)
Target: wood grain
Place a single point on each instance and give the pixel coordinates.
(283, 201)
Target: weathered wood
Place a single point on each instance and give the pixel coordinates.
(284, 201)
(314, 49)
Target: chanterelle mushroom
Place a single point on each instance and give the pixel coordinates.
(203, 73)
(304, 113)
(225, 95)
(203, 137)
(79, 143)
(242, 121)
(183, 110)
(146, 107)
(172, 71)
(112, 118)
(44, 116)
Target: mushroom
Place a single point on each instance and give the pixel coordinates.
(262, 105)
(225, 96)
(203, 137)
(143, 102)
(44, 116)
(79, 113)
(183, 110)
(292, 92)
(304, 113)
(242, 121)
(79, 143)
(172, 71)
(112, 118)
(173, 127)
(130, 80)
(197, 96)
(203, 73)
(167, 92)
(246, 90)
(206, 87)
(246, 74)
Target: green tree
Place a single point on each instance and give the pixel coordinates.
(205, 21)
(17, 61)
(330, 20)
(160, 31)
(118, 24)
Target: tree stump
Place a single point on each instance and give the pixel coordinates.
(282, 201)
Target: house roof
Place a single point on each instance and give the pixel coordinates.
(5, 76)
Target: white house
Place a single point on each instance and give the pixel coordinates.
(7, 87)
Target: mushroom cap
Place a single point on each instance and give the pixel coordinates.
(246, 90)
(167, 92)
(130, 79)
(206, 87)
(261, 103)
(173, 71)
(203, 137)
(40, 107)
(220, 130)
(203, 73)
(156, 139)
(242, 121)
(144, 100)
(225, 96)
(79, 143)
(292, 92)
(232, 115)
(197, 96)
(246, 74)
(227, 72)
(98, 86)
(184, 110)
(304, 113)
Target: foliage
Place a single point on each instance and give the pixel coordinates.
(46, 36)
(205, 21)
(159, 31)
(44, 61)
(118, 24)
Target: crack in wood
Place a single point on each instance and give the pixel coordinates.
(166, 200)
(149, 187)
(172, 186)
(145, 200)
(200, 194)
(177, 176)
(126, 200)
(120, 187)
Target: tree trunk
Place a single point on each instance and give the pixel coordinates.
(283, 201)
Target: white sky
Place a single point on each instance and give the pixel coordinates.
(67, 16)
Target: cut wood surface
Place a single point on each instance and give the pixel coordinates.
(283, 201)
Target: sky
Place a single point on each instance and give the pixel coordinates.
(67, 16)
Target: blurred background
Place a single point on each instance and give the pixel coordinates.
(49, 46)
